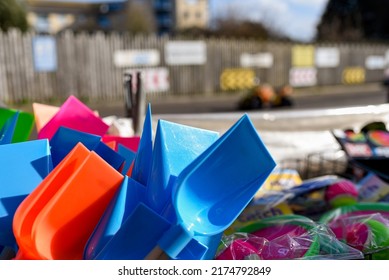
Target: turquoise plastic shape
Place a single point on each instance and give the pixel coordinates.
(175, 147)
(23, 166)
(8, 129)
(211, 192)
(135, 242)
(129, 157)
(142, 162)
(127, 198)
(75, 115)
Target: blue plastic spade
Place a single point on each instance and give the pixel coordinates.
(213, 190)
(65, 139)
(128, 156)
(8, 129)
(23, 166)
(142, 162)
(129, 195)
(137, 236)
(175, 147)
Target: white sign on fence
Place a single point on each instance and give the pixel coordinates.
(185, 53)
(302, 76)
(374, 62)
(44, 53)
(327, 57)
(261, 60)
(136, 58)
(154, 79)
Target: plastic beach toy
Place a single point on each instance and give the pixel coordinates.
(8, 129)
(285, 237)
(24, 124)
(57, 218)
(76, 115)
(364, 226)
(284, 229)
(175, 147)
(43, 114)
(211, 192)
(23, 167)
(65, 139)
(142, 162)
(131, 193)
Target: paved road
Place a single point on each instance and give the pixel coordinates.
(329, 97)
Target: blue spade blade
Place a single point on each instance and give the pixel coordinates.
(65, 139)
(110, 156)
(128, 156)
(136, 237)
(23, 166)
(175, 147)
(8, 129)
(142, 162)
(213, 190)
(129, 195)
(201, 248)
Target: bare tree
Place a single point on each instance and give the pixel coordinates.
(140, 18)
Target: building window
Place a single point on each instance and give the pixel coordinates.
(185, 14)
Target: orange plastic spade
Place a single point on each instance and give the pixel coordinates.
(56, 220)
(31, 206)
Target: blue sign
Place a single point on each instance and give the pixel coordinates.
(44, 53)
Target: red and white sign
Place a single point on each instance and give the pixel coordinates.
(154, 79)
(302, 76)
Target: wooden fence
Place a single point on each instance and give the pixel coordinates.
(85, 67)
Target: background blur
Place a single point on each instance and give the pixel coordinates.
(50, 49)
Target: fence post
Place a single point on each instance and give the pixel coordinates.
(135, 103)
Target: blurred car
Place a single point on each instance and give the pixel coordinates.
(264, 97)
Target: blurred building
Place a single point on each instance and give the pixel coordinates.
(52, 16)
(191, 14)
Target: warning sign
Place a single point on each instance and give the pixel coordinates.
(302, 76)
(353, 75)
(303, 56)
(154, 79)
(237, 79)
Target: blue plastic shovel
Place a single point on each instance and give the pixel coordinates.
(174, 148)
(213, 190)
(131, 193)
(142, 161)
(23, 166)
(65, 139)
(126, 199)
(128, 156)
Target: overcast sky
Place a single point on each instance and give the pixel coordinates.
(296, 18)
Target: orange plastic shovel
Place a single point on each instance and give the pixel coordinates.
(56, 220)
